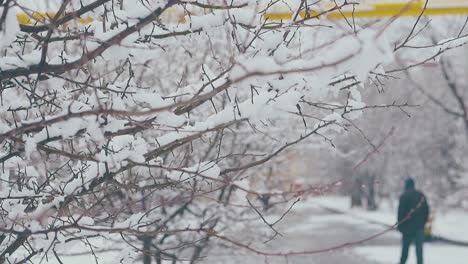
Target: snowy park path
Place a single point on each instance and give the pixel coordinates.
(317, 228)
(310, 227)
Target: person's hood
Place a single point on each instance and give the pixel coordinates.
(409, 184)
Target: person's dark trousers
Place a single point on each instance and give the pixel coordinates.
(418, 238)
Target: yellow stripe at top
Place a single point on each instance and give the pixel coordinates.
(375, 10)
(41, 18)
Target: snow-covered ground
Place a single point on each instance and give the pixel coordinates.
(309, 227)
(452, 224)
(433, 254)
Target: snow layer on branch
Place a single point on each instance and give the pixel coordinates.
(448, 44)
(12, 62)
(126, 147)
(357, 54)
(93, 171)
(267, 104)
(150, 100)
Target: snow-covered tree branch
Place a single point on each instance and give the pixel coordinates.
(135, 127)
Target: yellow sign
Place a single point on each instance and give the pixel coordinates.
(41, 18)
(377, 9)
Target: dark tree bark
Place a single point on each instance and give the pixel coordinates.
(356, 194)
(371, 203)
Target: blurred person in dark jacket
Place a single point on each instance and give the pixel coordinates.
(413, 212)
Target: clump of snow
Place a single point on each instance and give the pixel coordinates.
(125, 147)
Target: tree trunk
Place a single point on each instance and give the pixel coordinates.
(371, 204)
(146, 250)
(356, 194)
